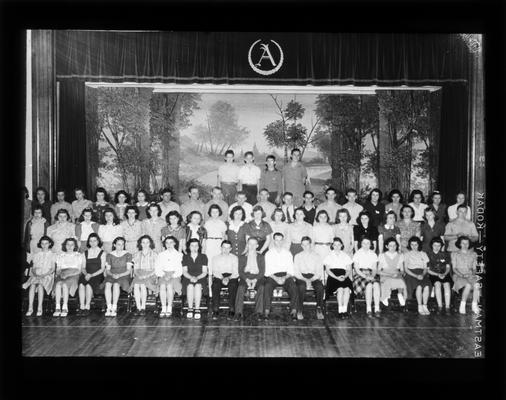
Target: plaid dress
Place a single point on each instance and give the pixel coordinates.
(365, 261)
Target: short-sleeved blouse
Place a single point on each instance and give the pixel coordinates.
(388, 232)
(439, 261)
(70, 260)
(194, 267)
(464, 262)
(407, 231)
(365, 259)
(322, 233)
(260, 231)
(414, 259)
(43, 261)
(133, 232)
(345, 233)
(215, 228)
(179, 232)
(335, 261)
(297, 231)
(145, 261)
(109, 232)
(118, 264)
(59, 232)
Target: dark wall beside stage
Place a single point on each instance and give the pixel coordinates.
(309, 58)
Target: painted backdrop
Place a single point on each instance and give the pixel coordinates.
(138, 138)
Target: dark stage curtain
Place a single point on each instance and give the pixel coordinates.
(454, 142)
(221, 57)
(72, 164)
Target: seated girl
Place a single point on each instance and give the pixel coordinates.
(194, 277)
(41, 274)
(168, 268)
(118, 267)
(144, 272)
(366, 278)
(338, 268)
(464, 273)
(391, 269)
(417, 278)
(69, 265)
(91, 279)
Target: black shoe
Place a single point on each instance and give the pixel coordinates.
(214, 316)
(346, 315)
(377, 314)
(266, 316)
(142, 313)
(369, 314)
(230, 315)
(293, 315)
(238, 317)
(79, 312)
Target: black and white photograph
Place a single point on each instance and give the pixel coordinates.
(253, 195)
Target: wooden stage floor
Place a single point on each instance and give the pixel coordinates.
(393, 335)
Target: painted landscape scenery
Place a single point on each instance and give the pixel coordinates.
(140, 138)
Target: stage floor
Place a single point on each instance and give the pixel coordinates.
(392, 335)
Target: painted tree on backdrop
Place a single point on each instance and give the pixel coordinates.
(406, 121)
(123, 116)
(221, 130)
(170, 112)
(287, 132)
(347, 120)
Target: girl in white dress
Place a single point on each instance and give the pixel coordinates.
(69, 265)
(41, 274)
(323, 234)
(168, 268)
(110, 230)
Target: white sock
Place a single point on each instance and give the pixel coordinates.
(462, 306)
(402, 301)
(164, 309)
(113, 307)
(369, 308)
(341, 309)
(385, 302)
(376, 307)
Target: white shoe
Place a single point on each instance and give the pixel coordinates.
(425, 309)
(64, 312)
(108, 312)
(39, 313)
(57, 313)
(421, 311)
(462, 308)
(113, 313)
(29, 312)
(475, 308)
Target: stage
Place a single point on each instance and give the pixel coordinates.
(394, 334)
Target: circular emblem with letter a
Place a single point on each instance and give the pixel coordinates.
(265, 58)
